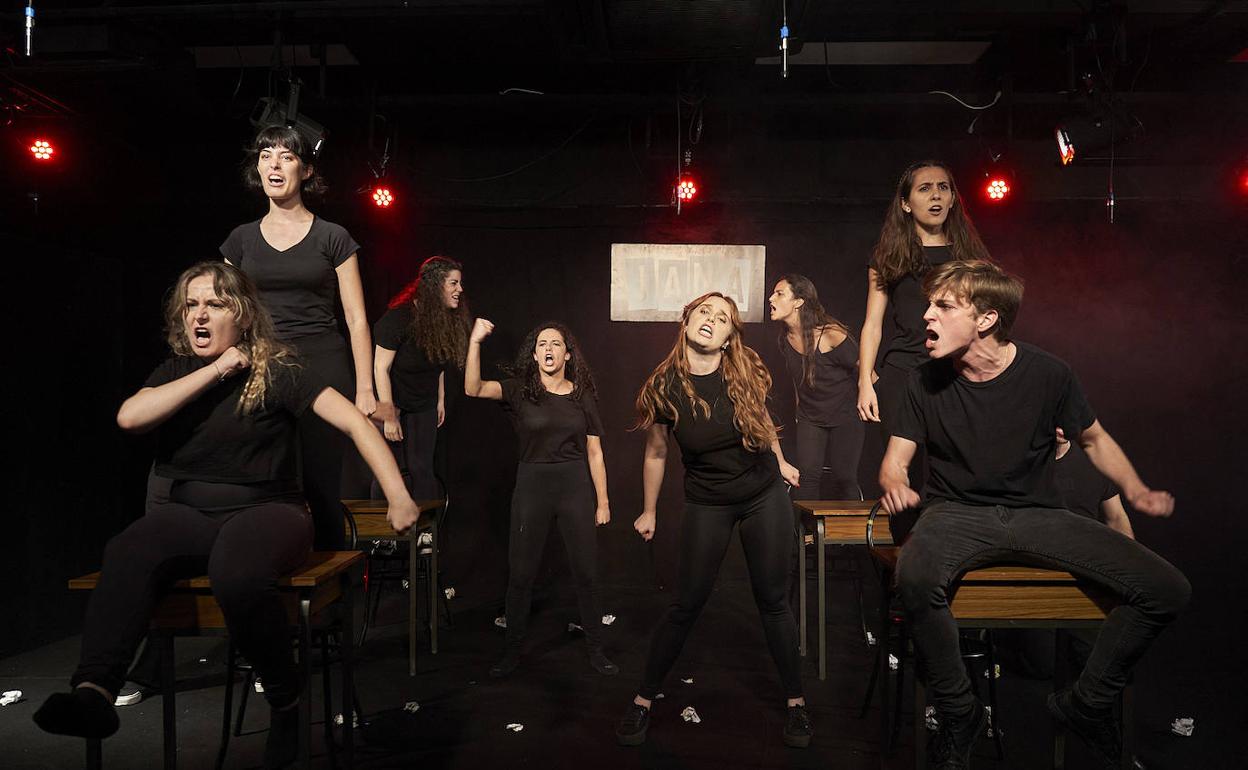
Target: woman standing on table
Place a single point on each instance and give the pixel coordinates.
(926, 225)
(822, 360)
(710, 392)
(298, 261)
(553, 403)
(424, 332)
(224, 408)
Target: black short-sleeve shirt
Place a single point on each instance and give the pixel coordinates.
(207, 440)
(413, 377)
(992, 443)
(298, 285)
(1080, 484)
(832, 398)
(554, 430)
(908, 303)
(719, 469)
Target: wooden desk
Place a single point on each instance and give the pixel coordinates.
(837, 522)
(369, 517)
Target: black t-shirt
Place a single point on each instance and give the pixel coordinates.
(906, 348)
(413, 377)
(719, 469)
(207, 440)
(297, 285)
(553, 431)
(992, 443)
(1080, 484)
(832, 398)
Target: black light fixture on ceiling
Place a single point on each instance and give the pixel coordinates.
(270, 111)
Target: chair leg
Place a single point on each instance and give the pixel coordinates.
(305, 677)
(900, 691)
(248, 683)
(875, 675)
(1061, 675)
(882, 670)
(95, 751)
(350, 698)
(995, 722)
(327, 701)
(169, 715)
(230, 658)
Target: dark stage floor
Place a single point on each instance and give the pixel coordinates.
(568, 711)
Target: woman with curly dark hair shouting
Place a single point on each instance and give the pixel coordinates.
(554, 405)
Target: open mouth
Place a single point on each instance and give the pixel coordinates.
(201, 336)
(932, 336)
(935, 210)
(549, 358)
(276, 180)
(706, 331)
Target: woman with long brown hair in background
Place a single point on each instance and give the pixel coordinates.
(421, 335)
(710, 393)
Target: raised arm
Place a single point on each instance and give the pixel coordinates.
(473, 384)
(869, 346)
(895, 475)
(598, 472)
(151, 406)
(653, 466)
(331, 407)
(386, 412)
(1112, 462)
(351, 290)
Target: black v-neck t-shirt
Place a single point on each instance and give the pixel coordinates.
(832, 398)
(554, 430)
(207, 440)
(908, 303)
(719, 469)
(298, 285)
(413, 377)
(992, 443)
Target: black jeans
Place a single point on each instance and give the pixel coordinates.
(766, 525)
(414, 455)
(951, 538)
(321, 445)
(562, 493)
(828, 459)
(243, 552)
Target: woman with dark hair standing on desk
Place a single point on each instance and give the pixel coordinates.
(299, 262)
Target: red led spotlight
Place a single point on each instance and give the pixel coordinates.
(42, 150)
(686, 188)
(997, 188)
(382, 197)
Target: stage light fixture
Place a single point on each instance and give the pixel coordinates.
(271, 112)
(1065, 149)
(686, 188)
(383, 198)
(42, 150)
(997, 188)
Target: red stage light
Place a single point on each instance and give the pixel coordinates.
(997, 189)
(42, 150)
(686, 188)
(382, 197)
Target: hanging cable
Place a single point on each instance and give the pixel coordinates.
(995, 99)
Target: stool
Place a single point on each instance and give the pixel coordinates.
(320, 589)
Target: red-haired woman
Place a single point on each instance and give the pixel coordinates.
(710, 393)
(424, 332)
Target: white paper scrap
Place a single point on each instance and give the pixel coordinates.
(687, 681)
(515, 727)
(608, 620)
(690, 715)
(1181, 726)
(411, 707)
(10, 696)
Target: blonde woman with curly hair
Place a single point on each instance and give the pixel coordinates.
(224, 409)
(710, 394)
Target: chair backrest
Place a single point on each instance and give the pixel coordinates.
(875, 510)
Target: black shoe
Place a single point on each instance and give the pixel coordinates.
(282, 746)
(602, 664)
(950, 748)
(631, 731)
(1102, 734)
(83, 712)
(797, 728)
(506, 665)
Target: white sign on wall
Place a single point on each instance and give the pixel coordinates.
(654, 281)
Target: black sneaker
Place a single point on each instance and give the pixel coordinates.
(507, 664)
(950, 748)
(631, 731)
(797, 728)
(602, 664)
(1102, 734)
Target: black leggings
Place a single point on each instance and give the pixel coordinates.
(767, 537)
(321, 445)
(830, 456)
(414, 454)
(545, 492)
(243, 552)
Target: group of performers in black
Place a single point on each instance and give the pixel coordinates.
(253, 409)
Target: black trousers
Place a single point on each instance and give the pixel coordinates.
(766, 527)
(564, 494)
(890, 389)
(951, 538)
(244, 552)
(414, 454)
(828, 460)
(321, 445)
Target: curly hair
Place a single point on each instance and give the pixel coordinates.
(257, 338)
(525, 369)
(899, 251)
(291, 139)
(745, 375)
(811, 316)
(441, 331)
